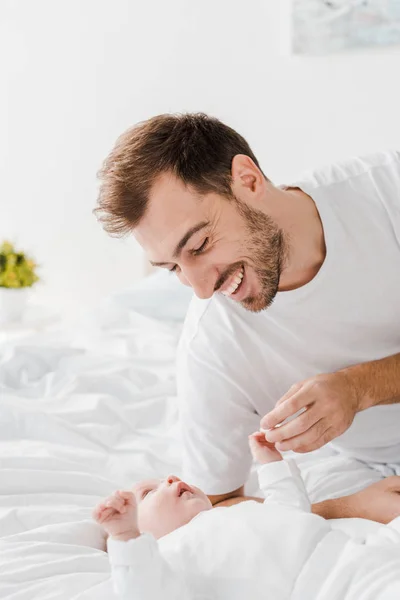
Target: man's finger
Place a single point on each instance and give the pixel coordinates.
(300, 424)
(287, 409)
(291, 392)
(315, 437)
(262, 441)
(328, 436)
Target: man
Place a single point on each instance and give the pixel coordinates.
(299, 293)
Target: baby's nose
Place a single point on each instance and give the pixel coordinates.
(172, 479)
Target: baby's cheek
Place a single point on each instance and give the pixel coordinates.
(155, 512)
(143, 517)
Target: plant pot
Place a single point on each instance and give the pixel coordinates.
(12, 303)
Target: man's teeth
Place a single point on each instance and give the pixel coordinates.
(235, 283)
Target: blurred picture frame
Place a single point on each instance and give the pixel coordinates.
(325, 26)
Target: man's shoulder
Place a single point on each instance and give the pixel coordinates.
(354, 166)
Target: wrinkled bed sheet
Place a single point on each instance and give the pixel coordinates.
(84, 412)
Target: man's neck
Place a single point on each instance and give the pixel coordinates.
(305, 240)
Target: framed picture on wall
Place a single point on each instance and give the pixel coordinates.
(324, 26)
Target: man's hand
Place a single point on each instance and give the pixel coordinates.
(378, 502)
(330, 402)
(118, 515)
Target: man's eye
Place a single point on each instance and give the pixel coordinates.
(196, 251)
(173, 269)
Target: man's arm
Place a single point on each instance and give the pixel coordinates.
(232, 498)
(378, 502)
(331, 401)
(376, 382)
(336, 508)
(329, 509)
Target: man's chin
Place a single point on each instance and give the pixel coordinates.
(253, 305)
(258, 303)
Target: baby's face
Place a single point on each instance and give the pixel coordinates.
(166, 504)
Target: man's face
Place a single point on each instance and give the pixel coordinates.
(213, 244)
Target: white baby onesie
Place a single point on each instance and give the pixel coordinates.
(277, 549)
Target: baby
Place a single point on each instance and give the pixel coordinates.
(277, 549)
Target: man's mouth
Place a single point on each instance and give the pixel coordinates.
(233, 284)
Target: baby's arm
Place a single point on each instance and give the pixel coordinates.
(137, 565)
(139, 571)
(281, 483)
(279, 480)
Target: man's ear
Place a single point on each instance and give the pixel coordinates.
(247, 179)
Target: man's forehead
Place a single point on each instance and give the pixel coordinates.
(173, 209)
(159, 237)
(168, 185)
(171, 194)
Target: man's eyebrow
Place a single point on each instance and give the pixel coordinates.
(179, 247)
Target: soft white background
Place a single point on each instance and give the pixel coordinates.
(74, 74)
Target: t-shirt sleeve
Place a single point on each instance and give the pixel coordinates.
(387, 184)
(216, 416)
(140, 571)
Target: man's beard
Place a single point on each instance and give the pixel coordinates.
(265, 252)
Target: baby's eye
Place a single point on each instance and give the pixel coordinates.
(146, 492)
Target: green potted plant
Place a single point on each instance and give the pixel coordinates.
(17, 276)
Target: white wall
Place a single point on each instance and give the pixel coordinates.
(76, 73)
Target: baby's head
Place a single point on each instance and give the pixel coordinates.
(166, 504)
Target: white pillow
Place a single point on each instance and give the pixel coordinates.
(159, 295)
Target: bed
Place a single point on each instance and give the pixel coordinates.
(88, 410)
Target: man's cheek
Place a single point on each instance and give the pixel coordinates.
(183, 280)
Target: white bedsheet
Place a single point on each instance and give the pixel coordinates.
(78, 418)
(81, 414)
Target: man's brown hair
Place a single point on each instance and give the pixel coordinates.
(196, 148)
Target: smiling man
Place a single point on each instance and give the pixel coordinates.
(298, 292)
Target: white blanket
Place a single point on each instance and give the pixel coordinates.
(80, 415)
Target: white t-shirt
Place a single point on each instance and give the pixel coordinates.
(234, 365)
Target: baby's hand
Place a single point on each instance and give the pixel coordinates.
(118, 515)
(263, 451)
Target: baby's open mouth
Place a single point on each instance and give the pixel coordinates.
(183, 487)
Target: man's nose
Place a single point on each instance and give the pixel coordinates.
(202, 283)
(172, 479)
